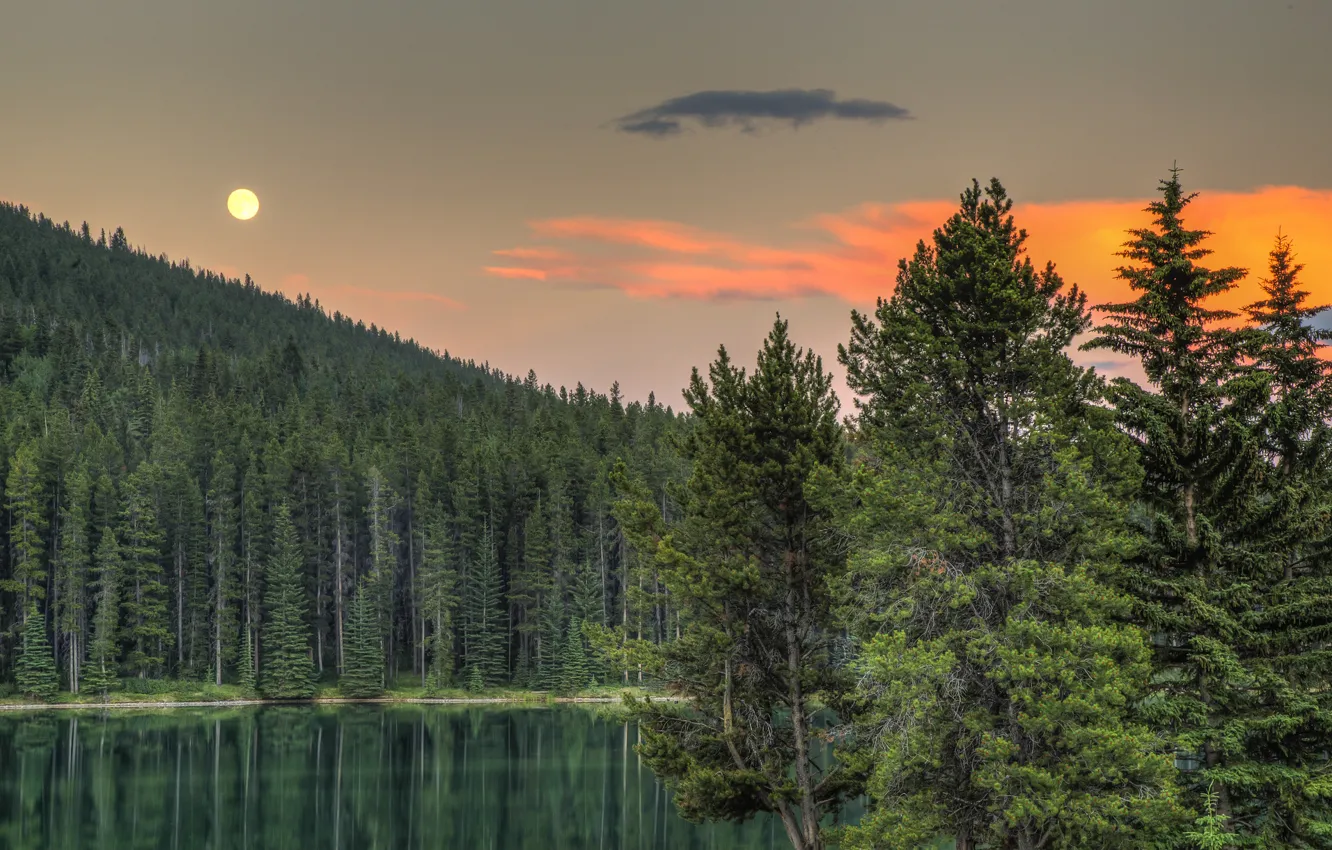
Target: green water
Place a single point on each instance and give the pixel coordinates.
(350, 777)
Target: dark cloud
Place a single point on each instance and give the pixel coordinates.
(746, 109)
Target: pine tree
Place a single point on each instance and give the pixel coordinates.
(99, 673)
(35, 670)
(749, 564)
(363, 673)
(221, 509)
(574, 675)
(1286, 715)
(72, 567)
(439, 580)
(487, 628)
(992, 494)
(24, 499)
(145, 628)
(245, 672)
(1198, 578)
(381, 501)
(288, 673)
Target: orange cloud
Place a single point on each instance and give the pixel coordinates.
(854, 255)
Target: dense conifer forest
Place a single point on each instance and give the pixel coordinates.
(1026, 606)
(207, 481)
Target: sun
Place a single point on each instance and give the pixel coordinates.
(243, 204)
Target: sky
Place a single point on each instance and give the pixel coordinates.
(606, 190)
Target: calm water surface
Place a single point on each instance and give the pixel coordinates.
(350, 777)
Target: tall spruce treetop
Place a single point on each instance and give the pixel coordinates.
(991, 493)
(1197, 580)
(1285, 346)
(748, 565)
(968, 358)
(1281, 790)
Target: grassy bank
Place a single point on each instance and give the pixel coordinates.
(135, 693)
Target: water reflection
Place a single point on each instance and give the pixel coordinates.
(350, 777)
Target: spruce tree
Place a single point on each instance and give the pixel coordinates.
(145, 627)
(287, 673)
(1276, 794)
(439, 581)
(1198, 578)
(363, 671)
(73, 562)
(27, 521)
(245, 673)
(99, 672)
(221, 510)
(487, 621)
(381, 500)
(35, 670)
(574, 675)
(991, 496)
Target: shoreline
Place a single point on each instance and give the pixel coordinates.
(41, 706)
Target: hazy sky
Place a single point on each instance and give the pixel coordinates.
(396, 146)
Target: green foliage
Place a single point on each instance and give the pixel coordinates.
(574, 674)
(99, 674)
(991, 500)
(439, 583)
(748, 565)
(35, 670)
(193, 404)
(364, 672)
(287, 672)
(486, 620)
(24, 498)
(245, 675)
(144, 628)
(1222, 529)
(72, 567)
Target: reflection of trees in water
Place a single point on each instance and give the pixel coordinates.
(280, 778)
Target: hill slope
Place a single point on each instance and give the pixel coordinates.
(156, 420)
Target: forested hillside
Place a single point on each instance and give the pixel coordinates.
(202, 479)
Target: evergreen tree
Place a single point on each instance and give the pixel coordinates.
(475, 681)
(574, 675)
(73, 561)
(245, 672)
(1198, 578)
(35, 670)
(221, 510)
(363, 675)
(24, 499)
(993, 492)
(381, 501)
(749, 564)
(487, 627)
(145, 628)
(99, 673)
(439, 581)
(1276, 794)
(288, 673)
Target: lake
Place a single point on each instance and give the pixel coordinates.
(345, 777)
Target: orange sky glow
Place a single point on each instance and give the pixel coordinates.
(853, 255)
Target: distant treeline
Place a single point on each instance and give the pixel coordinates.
(208, 481)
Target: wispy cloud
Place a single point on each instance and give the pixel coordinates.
(853, 254)
(749, 110)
